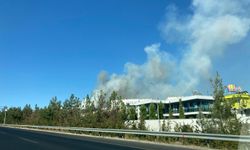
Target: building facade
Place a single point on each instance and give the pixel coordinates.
(240, 102)
(192, 105)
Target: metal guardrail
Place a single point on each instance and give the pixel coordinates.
(205, 136)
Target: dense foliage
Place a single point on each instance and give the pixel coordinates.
(108, 113)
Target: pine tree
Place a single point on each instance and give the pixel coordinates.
(132, 113)
(143, 116)
(54, 111)
(152, 111)
(112, 102)
(89, 105)
(27, 112)
(170, 113)
(181, 110)
(72, 111)
(88, 120)
(222, 115)
(223, 120)
(161, 108)
(132, 116)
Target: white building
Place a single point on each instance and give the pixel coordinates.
(191, 105)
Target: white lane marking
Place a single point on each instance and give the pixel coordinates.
(28, 140)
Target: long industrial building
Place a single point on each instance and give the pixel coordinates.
(191, 104)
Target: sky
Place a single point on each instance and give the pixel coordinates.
(56, 48)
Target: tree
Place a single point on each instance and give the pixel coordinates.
(218, 94)
(101, 101)
(72, 111)
(123, 111)
(103, 116)
(88, 114)
(35, 116)
(89, 106)
(27, 112)
(170, 112)
(118, 116)
(132, 113)
(100, 115)
(223, 119)
(181, 110)
(2, 115)
(112, 100)
(132, 116)
(54, 111)
(143, 116)
(222, 115)
(14, 115)
(152, 111)
(161, 108)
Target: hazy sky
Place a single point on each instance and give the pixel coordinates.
(55, 48)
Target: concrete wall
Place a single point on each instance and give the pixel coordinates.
(153, 125)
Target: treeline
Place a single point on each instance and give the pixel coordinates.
(106, 113)
(55, 113)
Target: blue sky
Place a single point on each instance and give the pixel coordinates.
(55, 48)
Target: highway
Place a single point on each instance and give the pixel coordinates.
(16, 139)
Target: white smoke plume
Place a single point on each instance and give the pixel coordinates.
(207, 32)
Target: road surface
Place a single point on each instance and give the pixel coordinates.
(17, 139)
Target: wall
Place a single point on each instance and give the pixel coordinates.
(153, 125)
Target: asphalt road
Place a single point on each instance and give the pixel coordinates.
(18, 139)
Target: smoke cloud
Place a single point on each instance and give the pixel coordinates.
(207, 32)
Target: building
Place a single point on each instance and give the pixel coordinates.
(240, 102)
(192, 105)
(239, 99)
